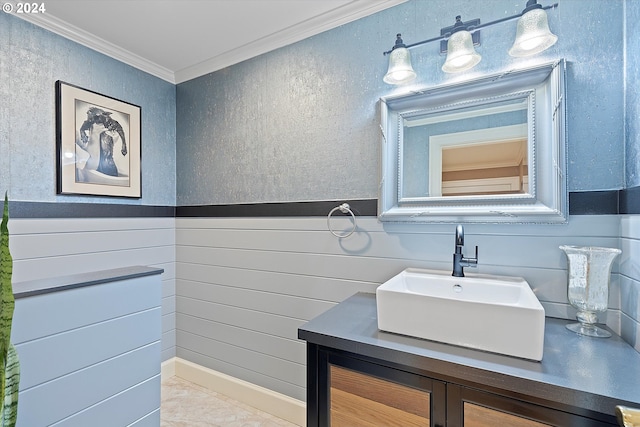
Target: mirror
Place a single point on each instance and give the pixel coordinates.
(486, 150)
(476, 150)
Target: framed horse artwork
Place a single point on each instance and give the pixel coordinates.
(98, 144)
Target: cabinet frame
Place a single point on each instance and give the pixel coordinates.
(326, 357)
(447, 395)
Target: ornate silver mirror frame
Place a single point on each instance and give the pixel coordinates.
(409, 192)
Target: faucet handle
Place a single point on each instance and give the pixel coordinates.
(471, 262)
(476, 257)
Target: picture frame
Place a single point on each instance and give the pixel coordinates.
(98, 144)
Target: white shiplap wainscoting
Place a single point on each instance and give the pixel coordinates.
(244, 285)
(235, 290)
(43, 248)
(630, 279)
(90, 355)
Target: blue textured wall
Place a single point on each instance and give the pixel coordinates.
(31, 60)
(633, 97)
(301, 123)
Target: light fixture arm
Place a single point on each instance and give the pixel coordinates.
(472, 29)
(409, 46)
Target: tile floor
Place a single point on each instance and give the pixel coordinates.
(185, 404)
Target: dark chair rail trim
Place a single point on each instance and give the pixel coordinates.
(87, 210)
(630, 201)
(363, 207)
(611, 202)
(594, 203)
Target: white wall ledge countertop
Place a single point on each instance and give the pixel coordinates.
(61, 283)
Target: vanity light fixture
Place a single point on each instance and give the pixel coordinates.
(400, 70)
(532, 36)
(461, 55)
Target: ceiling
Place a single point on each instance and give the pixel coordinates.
(178, 40)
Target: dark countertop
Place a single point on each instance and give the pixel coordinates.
(593, 374)
(61, 283)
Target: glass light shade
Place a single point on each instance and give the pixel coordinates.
(461, 55)
(533, 34)
(400, 70)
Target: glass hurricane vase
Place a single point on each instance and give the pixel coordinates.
(589, 271)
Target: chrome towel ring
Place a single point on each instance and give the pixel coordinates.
(345, 209)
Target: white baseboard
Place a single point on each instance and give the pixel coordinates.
(261, 398)
(168, 368)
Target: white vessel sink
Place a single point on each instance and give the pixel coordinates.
(493, 313)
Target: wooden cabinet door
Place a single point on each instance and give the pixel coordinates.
(360, 400)
(364, 394)
(480, 416)
(468, 407)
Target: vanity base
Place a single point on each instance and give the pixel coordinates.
(454, 386)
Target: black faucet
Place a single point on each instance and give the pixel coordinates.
(459, 261)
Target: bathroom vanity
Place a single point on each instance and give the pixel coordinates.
(360, 376)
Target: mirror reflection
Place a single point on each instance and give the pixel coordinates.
(478, 150)
(493, 167)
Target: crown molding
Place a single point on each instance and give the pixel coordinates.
(350, 12)
(73, 33)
